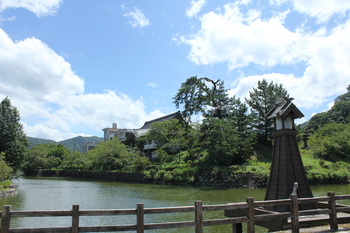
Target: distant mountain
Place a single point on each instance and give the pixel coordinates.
(38, 141)
(71, 144)
(78, 142)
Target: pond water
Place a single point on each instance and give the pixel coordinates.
(39, 193)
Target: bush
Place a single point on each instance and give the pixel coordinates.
(5, 170)
(140, 163)
(5, 183)
(332, 142)
(168, 177)
(327, 176)
(149, 174)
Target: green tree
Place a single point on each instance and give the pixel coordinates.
(75, 161)
(13, 141)
(5, 170)
(317, 121)
(242, 120)
(332, 142)
(169, 135)
(39, 157)
(58, 151)
(221, 141)
(225, 133)
(343, 97)
(202, 95)
(172, 137)
(261, 100)
(111, 155)
(339, 113)
(225, 144)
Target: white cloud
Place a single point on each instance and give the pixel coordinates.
(195, 7)
(36, 71)
(137, 18)
(239, 39)
(326, 74)
(247, 40)
(9, 19)
(322, 10)
(38, 7)
(50, 96)
(154, 85)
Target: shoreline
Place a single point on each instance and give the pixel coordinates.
(202, 179)
(9, 192)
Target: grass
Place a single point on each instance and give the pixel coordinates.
(318, 171)
(4, 185)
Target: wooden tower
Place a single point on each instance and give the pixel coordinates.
(287, 165)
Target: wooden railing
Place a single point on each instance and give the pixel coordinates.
(249, 208)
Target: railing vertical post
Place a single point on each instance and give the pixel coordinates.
(333, 214)
(198, 216)
(294, 208)
(5, 219)
(140, 218)
(75, 219)
(237, 228)
(250, 215)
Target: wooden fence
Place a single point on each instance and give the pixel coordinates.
(249, 208)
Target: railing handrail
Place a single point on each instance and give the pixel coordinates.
(330, 208)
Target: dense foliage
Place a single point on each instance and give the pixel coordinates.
(13, 141)
(111, 156)
(262, 100)
(5, 170)
(332, 142)
(106, 156)
(45, 156)
(225, 134)
(339, 113)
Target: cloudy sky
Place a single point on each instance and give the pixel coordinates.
(75, 67)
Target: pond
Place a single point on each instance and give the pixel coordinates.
(39, 193)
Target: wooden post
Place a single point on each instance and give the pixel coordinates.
(333, 220)
(250, 215)
(140, 218)
(295, 213)
(75, 219)
(237, 228)
(198, 216)
(5, 219)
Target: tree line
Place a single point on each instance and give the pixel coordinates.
(229, 134)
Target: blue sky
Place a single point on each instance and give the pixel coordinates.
(75, 67)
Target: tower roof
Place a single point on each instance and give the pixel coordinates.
(288, 108)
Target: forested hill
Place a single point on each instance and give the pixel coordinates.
(69, 143)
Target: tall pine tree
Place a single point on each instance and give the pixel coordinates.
(225, 131)
(262, 100)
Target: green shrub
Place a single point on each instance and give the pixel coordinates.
(234, 167)
(140, 163)
(150, 173)
(168, 177)
(190, 179)
(321, 162)
(332, 142)
(328, 176)
(342, 164)
(6, 183)
(5, 170)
